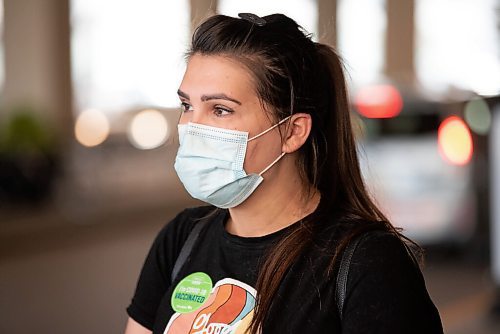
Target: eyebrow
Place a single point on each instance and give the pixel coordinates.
(182, 94)
(204, 98)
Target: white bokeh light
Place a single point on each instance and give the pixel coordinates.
(148, 129)
(91, 127)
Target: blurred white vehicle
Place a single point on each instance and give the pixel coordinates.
(417, 165)
(429, 198)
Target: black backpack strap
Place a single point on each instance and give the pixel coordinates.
(186, 248)
(345, 262)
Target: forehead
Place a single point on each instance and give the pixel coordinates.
(216, 74)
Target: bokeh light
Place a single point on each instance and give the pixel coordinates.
(148, 129)
(478, 116)
(379, 101)
(455, 141)
(91, 127)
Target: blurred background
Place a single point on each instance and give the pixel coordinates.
(88, 113)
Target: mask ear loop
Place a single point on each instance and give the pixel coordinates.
(263, 133)
(272, 127)
(272, 163)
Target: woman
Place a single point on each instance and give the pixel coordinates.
(266, 139)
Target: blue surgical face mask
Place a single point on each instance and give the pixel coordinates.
(210, 164)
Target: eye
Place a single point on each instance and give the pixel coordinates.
(185, 107)
(222, 111)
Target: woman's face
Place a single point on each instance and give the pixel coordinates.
(220, 92)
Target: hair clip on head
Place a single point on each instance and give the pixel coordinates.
(252, 18)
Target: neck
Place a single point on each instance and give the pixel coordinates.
(277, 203)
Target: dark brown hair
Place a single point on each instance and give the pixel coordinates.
(294, 74)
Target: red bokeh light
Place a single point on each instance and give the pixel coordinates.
(379, 101)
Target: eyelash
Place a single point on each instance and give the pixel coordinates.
(218, 110)
(185, 107)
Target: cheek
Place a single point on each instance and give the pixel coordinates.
(249, 165)
(260, 154)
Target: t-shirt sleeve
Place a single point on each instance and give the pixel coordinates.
(154, 279)
(386, 291)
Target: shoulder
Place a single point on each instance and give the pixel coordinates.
(377, 251)
(382, 248)
(375, 242)
(382, 257)
(386, 289)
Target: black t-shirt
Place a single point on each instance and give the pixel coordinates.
(386, 292)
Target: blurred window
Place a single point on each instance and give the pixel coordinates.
(406, 124)
(128, 53)
(305, 12)
(361, 37)
(457, 45)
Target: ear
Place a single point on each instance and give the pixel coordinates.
(298, 128)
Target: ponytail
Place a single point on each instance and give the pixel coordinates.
(341, 180)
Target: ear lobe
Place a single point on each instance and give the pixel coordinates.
(298, 129)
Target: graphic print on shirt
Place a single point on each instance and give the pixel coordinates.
(227, 310)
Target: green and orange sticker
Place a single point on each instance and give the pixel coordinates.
(191, 292)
